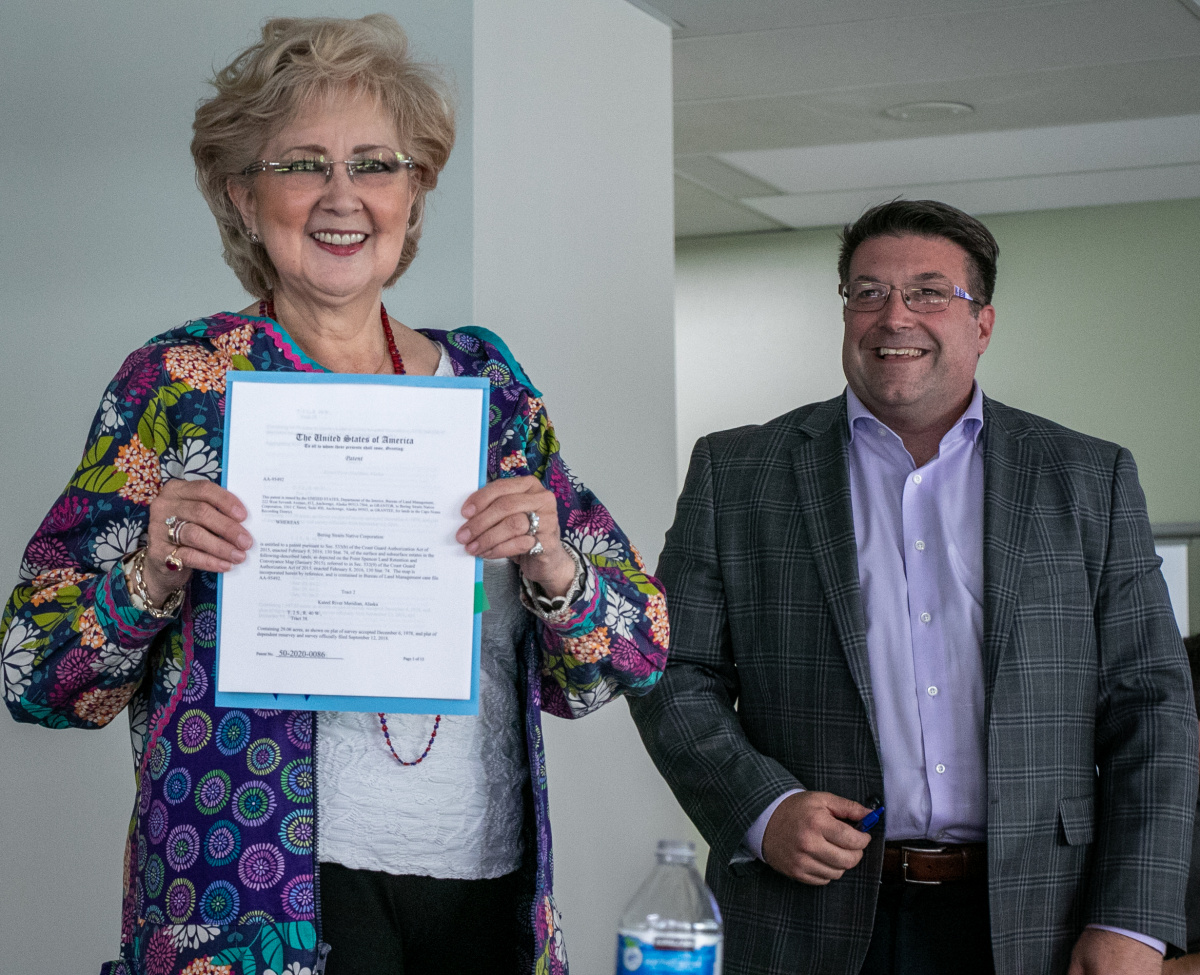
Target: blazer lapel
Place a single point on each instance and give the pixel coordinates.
(823, 480)
(1011, 469)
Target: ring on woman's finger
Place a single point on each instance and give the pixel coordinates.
(537, 548)
(173, 562)
(534, 521)
(175, 529)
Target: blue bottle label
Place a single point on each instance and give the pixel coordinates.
(693, 955)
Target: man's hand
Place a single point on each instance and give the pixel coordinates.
(1100, 952)
(807, 840)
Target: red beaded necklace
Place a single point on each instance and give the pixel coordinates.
(437, 720)
(266, 309)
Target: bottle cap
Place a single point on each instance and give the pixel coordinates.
(676, 851)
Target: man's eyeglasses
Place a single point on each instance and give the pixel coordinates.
(377, 168)
(923, 298)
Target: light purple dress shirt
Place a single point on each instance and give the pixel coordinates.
(920, 568)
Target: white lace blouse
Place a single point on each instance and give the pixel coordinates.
(458, 813)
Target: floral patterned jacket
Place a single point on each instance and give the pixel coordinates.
(221, 868)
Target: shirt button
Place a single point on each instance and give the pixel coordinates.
(939, 768)
(920, 545)
(925, 617)
(932, 691)
(916, 479)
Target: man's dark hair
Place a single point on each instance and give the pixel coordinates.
(928, 218)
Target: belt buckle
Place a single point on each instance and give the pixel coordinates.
(904, 852)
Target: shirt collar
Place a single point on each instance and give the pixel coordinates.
(968, 426)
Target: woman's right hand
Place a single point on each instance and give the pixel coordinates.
(211, 540)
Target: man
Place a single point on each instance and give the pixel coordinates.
(915, 594)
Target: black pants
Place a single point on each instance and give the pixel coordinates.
(384, 924)
(935, 930)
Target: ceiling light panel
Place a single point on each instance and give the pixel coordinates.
(994, 196)
(927, 111)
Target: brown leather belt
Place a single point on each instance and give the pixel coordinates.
(952, 863)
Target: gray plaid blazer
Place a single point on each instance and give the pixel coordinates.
(1091, 730)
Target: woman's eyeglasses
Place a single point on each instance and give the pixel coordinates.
(377, 168)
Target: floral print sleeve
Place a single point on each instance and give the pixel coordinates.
(614, 638)
(73, 643)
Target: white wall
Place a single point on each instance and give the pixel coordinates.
(574, 267)
(106, 241)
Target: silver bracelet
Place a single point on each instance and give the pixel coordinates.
(170, 607)
(555, 604)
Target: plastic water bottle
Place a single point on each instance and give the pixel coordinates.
(673, 923)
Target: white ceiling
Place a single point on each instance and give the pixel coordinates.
(779, 106)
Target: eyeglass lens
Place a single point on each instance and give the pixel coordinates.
(872, 295)
(380, 167)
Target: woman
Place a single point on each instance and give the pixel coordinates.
(415, 843)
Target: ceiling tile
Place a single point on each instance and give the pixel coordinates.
(1131, 144)
(986, 42)
(782, 74)
(722, 178)
(994, 196)
(701, 213)
(1095, 93)
(703, 18)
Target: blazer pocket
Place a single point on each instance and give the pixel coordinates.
(1078, 818)
(1053, 581)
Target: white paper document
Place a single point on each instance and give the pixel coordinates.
(355, 589)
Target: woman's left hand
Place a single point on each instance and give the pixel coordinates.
(498, 526)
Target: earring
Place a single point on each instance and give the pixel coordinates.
(254, 238)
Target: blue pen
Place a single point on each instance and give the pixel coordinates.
(870, 819)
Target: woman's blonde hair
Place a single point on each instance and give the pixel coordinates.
(296, 60)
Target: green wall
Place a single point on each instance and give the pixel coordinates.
(1098, 328)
